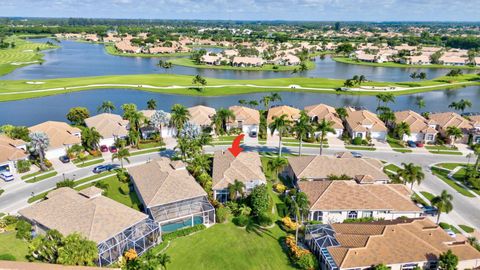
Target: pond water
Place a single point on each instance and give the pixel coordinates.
(78, 59)
(32, 111)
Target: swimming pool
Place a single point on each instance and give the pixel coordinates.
(179, 224)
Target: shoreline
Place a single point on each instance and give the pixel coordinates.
(349, 61)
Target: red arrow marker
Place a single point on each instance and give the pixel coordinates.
(236, 149)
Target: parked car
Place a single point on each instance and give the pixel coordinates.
(430, 210)
(356, 154)
(253, 134)
(411, 144)
(7, 176)
(450, 233)
(64, 159)
(113, 149)
(419, 144)
(104, 148)
(104, 168)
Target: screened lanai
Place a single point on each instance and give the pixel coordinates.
(319, 237)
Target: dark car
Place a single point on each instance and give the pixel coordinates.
(411, 144)
(253, 134)
(64, 159)
(430, 210)
(104, 168)
(104, 148)
(113, 149)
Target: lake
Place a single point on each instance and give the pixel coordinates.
(33, 111)
(78, 59)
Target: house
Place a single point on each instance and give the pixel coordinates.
(333, 201)
(167, 131)
(418, 60)
(287, 60)
(239, 61)
(92, 37)
(213, 60)
(246, 119)
(161, 50)
(201, 116)
(363, 170)
(319, 112)
(364, 124)
(398, 244)
(16, 265)
(421, 129)
(453, 60)
(110, 126)
(451, 119)
(246, 168)
(11, 151)
(170, 195)
(475, 120)
(113, 226)
(61, 136)
(292, 113)
(126, 47)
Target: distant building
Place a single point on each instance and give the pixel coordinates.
(110, 126)
(61, 136)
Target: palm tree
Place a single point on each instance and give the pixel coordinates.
(106, 107)
(302, 128)
(422, 75)
(443, 203)
(275, 164)
(91, 138)
(385, 98)
(299, 205)
(199, 81)
(454, 133)
(39, 142)
(386, 115)
(221, 118)
(324, 127)
(461, 105)
(253, 103)
(179, 116)
(401, 129)
(122, 154)
(152, 104)
(236, 188)
(199, 164)
(275, 97)
(410, 173)
(361, 79)
(279, 124)
(164, 259)
(342, 113)
(349, 83)
(266, 102)
(413, 75)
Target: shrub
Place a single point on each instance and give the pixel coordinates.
(182, 232)
(48, 163)
(281, 209)
(95, 153)
(240, 220)
(10, 220)
(222, 214)
(66, 183)
(123, 176)
(357, 220)
(289, 224)
(23, 166)
(124, 189)
(357, 141)
(24, 230)
(306, 262)
(7, 257)
(280, 188)
(264, 220)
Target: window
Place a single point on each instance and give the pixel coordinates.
(318, 215)
(359, 135)
(352, 214)
(430, 137)
(367, 214)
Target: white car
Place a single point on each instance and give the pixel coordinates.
(6, 176)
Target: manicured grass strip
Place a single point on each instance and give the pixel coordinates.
(146, 151)
(32, 175)
(427, 195)
(90, 163)
(2, 191)
(365, 148)
(466, 228)
(93, 177)
(42, 177)
(450, 166)
(150, 145)
(11, 245)
(443, 175)
(392, 167)
(37, 197)
(89, 157)
(441, 149)
(419, 199)
(448, 226)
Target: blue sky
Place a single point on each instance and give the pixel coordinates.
(318, 10)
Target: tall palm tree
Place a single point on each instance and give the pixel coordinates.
(91, 138)
(443, 203)
(199, 81)
(461, 105)
(152, 104)
(324, 127)
(236, 188)
(280, 124)
(275, 164)
(275, 97)
(454, 133)
(410, 173)
(39, 142)
(299, 205)
(266, 102)
(179, 116)
(199, 164)
(362, 79)
(122, 155)
(342, 113)
(401, 129)
(106, 107)
(253, 103)
(221, 118)
(386, 115)
(302, 128)
(385, 98)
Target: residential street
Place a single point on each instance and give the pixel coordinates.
(466, 210)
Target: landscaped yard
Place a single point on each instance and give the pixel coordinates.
(397, 146)
(9, 244)
(225, 246)
(443, 175)
(450, 166)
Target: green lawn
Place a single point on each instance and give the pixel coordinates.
(26, 176)
(187, 62)
(443, 175)
(89, 163)
(146, 151)
(347, 60)
(225, 246)
(450, 166)
(365, 148)
(397, 146)
(466, 228)
(42, 177)
(9, 244)
(428, 195)
(442, 149)
(417, 199)
(391, 167)
(150, 145)
(24, 53)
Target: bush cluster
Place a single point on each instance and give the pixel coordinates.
(183, 232)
